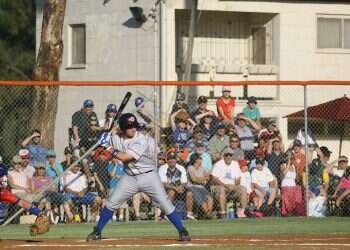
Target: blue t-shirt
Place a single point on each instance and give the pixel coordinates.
(52, 173)
(37, 153)
(206, 161)
(253, 114)
(119, 171)
(181, 136)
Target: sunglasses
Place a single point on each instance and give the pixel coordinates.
(343, 161)
(234, 141)
(228, 155)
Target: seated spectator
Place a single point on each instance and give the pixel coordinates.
(318, 173)
(343, 189)
(246, 178)
(116, 171)
(317, 202)
(298, 160)
(197, 136)
(264, 183)
(226, 176)
(292, 198)
(252, 111)
(68, 156)
(161, 159)
(28, 169)
(275, 157)
(54, 168)
(226, 106)
(337, 172)
(260, 154)
(180, 104)
(174, 179)
(198, 180)
(202, 111)
(18, 180)
(208, 124)
(81, 123)
(76, 192)
(218, 143)
(238, 153)
(37, 152)
(206, 160)
(231, 130)
(270, 132)
(181, 130)
(246, 135)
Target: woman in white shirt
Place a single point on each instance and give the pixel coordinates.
(292, 199)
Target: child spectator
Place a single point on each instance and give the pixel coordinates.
(246, 178)
(225, 106)
(218, 143)
(37, 152)
(252, 111)
(317, 202)
(343, 188)
(181, 132)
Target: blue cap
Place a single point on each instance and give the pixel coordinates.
(3, 170)
(139, 101)
(111, 108)
(221, 125)
(88, 103)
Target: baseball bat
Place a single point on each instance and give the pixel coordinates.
(45, 188)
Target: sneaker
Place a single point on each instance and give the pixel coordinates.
(184, 235)
(94, 235)
(240, 213)
(190, 216)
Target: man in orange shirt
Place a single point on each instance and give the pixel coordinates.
(225, 105)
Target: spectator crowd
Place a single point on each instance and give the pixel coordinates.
(210, 162)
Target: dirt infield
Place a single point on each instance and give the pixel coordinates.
(333, 241)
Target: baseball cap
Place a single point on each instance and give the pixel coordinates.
(228, 151)
(3, 170)
(242, 163)
(111, 108)
(88, 103)
(251, 99)
(297, 143)
(171, 155)
(17, 159)
(24, 153)
(51, 153)
(221, 125)
(202, 99)
(226, 89)
(325, 151)
(342, 158)
(139, 101)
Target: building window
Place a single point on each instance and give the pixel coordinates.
(333, 32)
(78, 44)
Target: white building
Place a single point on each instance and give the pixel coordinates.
(235, 40)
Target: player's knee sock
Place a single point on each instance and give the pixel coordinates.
(105, 216)
(175, 219)
(34, 210)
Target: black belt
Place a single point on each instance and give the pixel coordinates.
(149, 171)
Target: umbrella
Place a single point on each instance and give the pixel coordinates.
(334, 110)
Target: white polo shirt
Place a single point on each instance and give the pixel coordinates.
(262, 177)
(227, 173)
(77, 185)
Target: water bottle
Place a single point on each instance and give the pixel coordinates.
(231, 213)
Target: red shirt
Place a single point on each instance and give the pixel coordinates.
(226, 107)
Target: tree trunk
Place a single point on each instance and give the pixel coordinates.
(47, 68)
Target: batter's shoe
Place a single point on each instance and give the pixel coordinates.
(184, 235)
(95, 235)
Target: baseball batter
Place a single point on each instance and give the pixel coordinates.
(137, 152)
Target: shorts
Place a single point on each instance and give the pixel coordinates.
(268, 191)
(87, 198)
(235, 194)
(200, 194)
(7, 196)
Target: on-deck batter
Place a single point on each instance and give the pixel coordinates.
(137, 152)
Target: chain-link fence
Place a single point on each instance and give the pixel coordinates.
(228, 151)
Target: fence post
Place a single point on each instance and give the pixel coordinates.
(306, 152)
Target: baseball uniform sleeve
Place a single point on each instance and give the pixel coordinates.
(137, 148)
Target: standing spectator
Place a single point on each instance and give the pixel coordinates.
(238, 153)
(140, 111)
(76, 192)
(180, 104)
(226, 176)
(318, 174)
(292, 198)
(275, 157)
(218, 143)
(68, 158)
(252, 111)
(202, 110)
(206, 160)
(198, 180)
(37, 152)
(298, 160)
(197, 136)
(174, 179)
(81, 123)
(264, 183)
(246, 135)
(54, 168)
(108, 121)
(18, 180)
(28, 169)
(225, 106)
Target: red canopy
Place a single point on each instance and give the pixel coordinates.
(337, 110)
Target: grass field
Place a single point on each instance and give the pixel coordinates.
(215, 231)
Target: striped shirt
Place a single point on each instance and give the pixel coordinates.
(142, 148)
